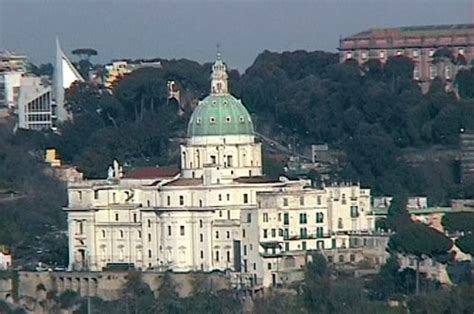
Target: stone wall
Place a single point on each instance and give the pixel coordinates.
(109, 285)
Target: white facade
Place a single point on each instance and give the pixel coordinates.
(218, 213)
(35, 105)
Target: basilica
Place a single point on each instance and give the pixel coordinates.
(217, 213)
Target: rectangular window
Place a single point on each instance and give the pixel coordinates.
(202, 254)
(286, 234)
(116, 217)
(354, 212)
(319, 232)
(228, 256)
(265, 233)
(265, 217)
(245, 250)
(217, 234)
(181, 200)
(286, 219)
(96, 194)
(220, 197)
(134, 217)
(169, 230)
(302, 200)
(168, 200)
(303, 218)
(249, 218)
(243, 233)
(217, 256)
(269, 266)
(287, 246)
(318, 200)
(228, 214)
(181, 230)
(228, 196)
(274, 233)
(149, 237)
(303, 245)
(201, 237)
(279, 216)
(303, 233)
(319, 217)
(285, 201)
(246, 198)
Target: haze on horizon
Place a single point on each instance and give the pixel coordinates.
(191, 29)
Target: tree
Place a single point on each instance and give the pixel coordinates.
(137, 295)
(420, 241)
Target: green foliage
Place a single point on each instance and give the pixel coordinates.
(419, 240)
(462, 221)
(466, 244)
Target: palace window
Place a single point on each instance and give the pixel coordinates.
(319, 217)
(303, 218)
(340, 224)
(319, 232)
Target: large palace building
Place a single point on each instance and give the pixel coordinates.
(419, 43)
(218, 213)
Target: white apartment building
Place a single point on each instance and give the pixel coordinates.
(218, 213)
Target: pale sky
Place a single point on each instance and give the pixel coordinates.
(191, 29)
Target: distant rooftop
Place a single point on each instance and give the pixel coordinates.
(152, 173)
(416, 30)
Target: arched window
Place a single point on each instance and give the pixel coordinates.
(184, 160)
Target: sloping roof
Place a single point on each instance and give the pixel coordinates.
(416, 30)
(152, 173)
(259, 179)
(184, 182)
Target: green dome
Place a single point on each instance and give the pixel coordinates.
(220, 115)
